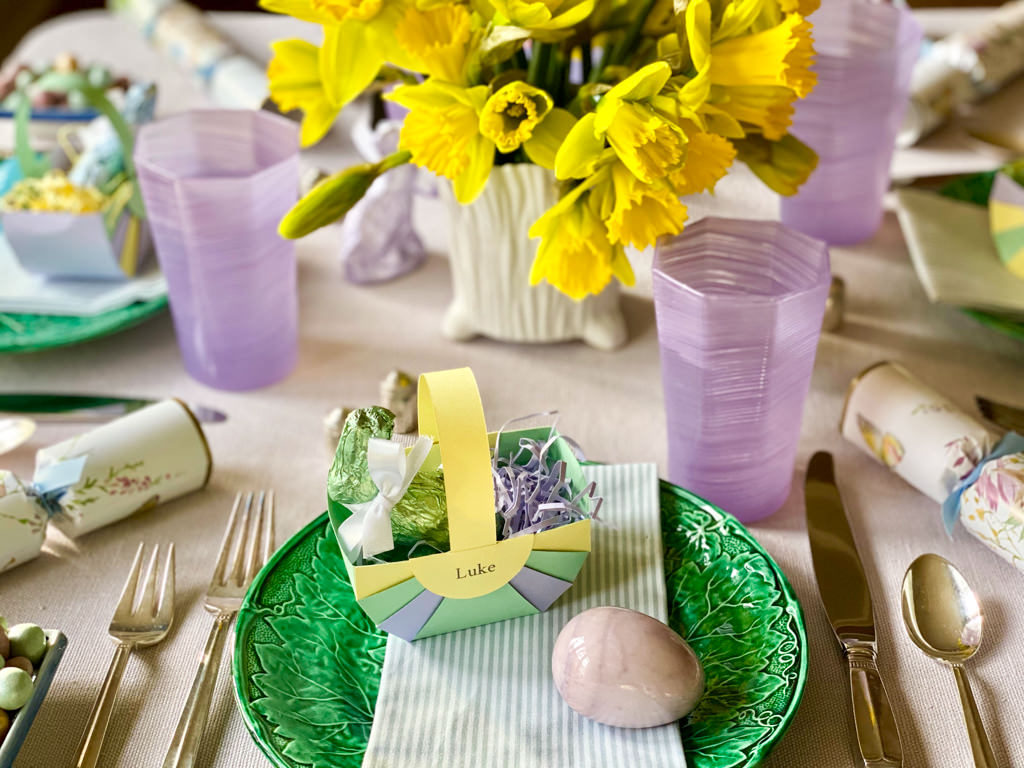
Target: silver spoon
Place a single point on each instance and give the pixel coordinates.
(944, 620)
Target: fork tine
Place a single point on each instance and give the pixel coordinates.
(220, 570)
(127, 599)
(166, 610)
(254, 536)
(146, 603)
(238, 557)
(268, 533)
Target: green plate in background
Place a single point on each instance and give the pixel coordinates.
(307, 661)
(29, 333)
(999, 323)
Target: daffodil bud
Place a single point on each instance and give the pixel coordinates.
(333, 197)
(328, 201)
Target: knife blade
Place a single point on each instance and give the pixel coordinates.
(47, 407)
(1006, 416)
(847, 600)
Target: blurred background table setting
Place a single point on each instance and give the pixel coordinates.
(717, 238)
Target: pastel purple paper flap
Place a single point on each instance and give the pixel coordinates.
(408, 620)
(539, 588)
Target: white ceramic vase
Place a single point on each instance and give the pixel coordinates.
(491, 255)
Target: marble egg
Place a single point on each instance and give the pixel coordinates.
(624, 668)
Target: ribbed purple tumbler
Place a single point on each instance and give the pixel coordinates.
(865, 56)
(216, 183)
(739, 306)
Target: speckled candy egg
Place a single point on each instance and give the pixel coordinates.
(27, 640)
(19, 662)
(624, 668)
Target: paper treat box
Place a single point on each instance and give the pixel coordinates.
(107, 244)
(480, 580)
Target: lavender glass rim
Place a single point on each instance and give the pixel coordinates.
(817, 275)
(258, 115)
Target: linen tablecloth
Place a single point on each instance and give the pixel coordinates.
(612, 403)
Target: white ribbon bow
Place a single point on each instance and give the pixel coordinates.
(392, 471)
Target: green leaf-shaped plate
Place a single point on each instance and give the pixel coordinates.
(307, 660)
(30, 333)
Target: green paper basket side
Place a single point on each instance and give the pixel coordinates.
(452, 615)
(504, 603)
(389, 601)
(562, 565)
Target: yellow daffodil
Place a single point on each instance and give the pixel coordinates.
(439, 39)
(781, 55)
(547, 20)
(782, 165)
(649, 143)
(636, 213)
(442, 132)
(359, 37)
(511, 114)
(768, 107)
(575, 254)
(295, 83)
(708, 159)
(542, 147)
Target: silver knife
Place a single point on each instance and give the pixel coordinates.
(45, 407)
(847, 600)
(1006, 416)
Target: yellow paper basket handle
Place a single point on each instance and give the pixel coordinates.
(450, 411)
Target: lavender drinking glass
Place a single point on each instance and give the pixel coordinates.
(865, 56)
(216, 183)
(739, 306)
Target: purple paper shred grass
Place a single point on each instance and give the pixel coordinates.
(531, 496)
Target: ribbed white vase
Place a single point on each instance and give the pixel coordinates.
(491, 255)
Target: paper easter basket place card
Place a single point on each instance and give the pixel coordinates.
(480, 572)
(88, 223)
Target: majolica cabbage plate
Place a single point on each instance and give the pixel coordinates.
(307, 660)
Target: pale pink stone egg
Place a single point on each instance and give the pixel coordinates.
(624, 668)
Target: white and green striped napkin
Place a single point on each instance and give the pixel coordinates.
(485, 696)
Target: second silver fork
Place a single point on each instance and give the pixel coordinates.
(247, 545)
(139, 620)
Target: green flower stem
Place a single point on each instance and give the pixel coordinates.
(587, 54)
(558, 74)
(540, 62)
(395, 159)
(606, 59)
(621, 51)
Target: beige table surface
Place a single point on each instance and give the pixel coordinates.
(612, 403)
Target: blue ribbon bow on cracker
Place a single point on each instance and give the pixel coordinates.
(50, 483)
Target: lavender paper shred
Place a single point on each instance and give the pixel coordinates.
(531, 496)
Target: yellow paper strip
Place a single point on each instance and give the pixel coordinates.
(450, 411)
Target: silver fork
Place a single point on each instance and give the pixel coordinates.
(140, 619)
(247, 545)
